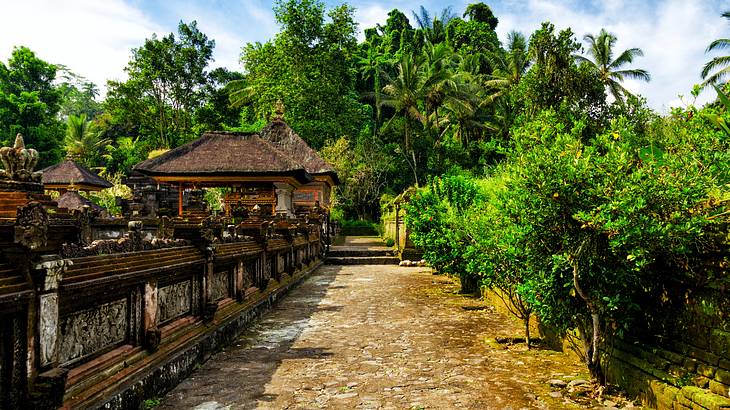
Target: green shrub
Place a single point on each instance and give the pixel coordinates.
(581, 232)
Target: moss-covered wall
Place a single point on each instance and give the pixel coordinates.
(680, 357)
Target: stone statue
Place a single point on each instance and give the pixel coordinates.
(19, 162)
(31, 226)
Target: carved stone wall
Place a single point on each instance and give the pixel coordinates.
(174, 301)
(12, 361)
(91, 330)
(249, 277)
(220, 285)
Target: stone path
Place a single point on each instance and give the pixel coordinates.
(375, 337)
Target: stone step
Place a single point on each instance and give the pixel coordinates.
(362, 260)
(334, 252)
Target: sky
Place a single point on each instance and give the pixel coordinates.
(94, 38)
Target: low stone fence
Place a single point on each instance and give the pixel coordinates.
(88, 322)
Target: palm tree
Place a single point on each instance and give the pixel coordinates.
(438, 70)
(463, 112)
(508, 66)
(403, 93)
(721, 62)
(82, 142)
(600, 49)
(370, 67)
(434, 30)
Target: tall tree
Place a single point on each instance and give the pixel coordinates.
(554, 79)
(600, 51)
(719, 63)
(78, 95)
(29, 104)
(167, 78)
(309, 66)
(509, 65)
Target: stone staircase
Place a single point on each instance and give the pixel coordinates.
(361, 254)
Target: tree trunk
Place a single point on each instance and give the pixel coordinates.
(592, 341)
(527, 330)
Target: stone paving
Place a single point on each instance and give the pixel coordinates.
(376, 337)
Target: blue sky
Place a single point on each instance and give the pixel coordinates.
(94, 37)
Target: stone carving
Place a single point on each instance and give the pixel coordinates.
(31, 226)
(152, 339)
(48, 326)
(19, 162)
(84, 218)
(91, 330)
(219, 285)
(122, 245)
(52, 269)
(208, 228)
(249, 276)
(166, 228)
(173, 301)
(135, 235)
(279, 110)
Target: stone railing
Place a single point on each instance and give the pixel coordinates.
(86, 320)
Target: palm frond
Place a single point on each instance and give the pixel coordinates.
(718, 62)
(634, 74)
(626, 57)
(719, 44)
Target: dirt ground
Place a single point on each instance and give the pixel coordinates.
(379, 337)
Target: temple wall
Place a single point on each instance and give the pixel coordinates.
(90, 322)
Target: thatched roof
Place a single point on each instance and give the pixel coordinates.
(69, 173)
(279, 134)
(72, 200)
(222, 153)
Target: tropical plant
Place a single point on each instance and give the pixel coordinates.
(509, 65)
(82, 142)
(719, 63)
(600, 51)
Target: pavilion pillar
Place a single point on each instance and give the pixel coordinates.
(284, 199)
(179, 199)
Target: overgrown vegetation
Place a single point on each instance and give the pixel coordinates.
(539, 175)
(579, 231)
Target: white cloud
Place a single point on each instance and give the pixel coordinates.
(93, 38)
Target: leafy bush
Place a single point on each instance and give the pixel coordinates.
(579, 231)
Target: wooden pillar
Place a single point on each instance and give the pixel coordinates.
(179, 199)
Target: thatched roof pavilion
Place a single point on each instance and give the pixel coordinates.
(70, 175)
(279, 134)
(231, 159)
(223, 158)
(72, 200)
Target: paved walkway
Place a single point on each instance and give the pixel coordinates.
(370, 337)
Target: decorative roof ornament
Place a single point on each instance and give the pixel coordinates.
(279, 110)
(19, 162)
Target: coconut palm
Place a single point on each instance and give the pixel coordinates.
(82, 142)
(721, 63)
(434, 29)
(508, 66)
(407, 92)
(600, 51)
(370, 67)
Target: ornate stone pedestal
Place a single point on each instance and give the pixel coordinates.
(284, 199)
